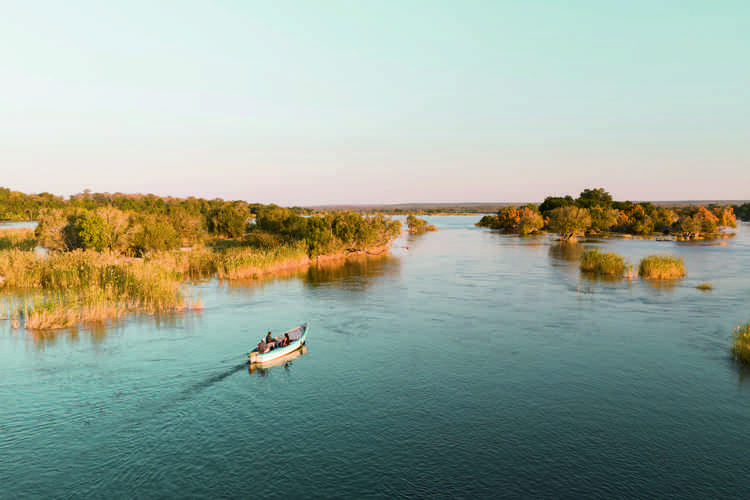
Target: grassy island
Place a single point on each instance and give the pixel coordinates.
(416, 226)
(600, 263)
(110, 255)
(662, 267)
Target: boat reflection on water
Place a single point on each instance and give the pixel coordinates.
(261, 369)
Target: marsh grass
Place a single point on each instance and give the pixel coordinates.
(662, 267)
(88, 287)
(66, 289)
(705, 287)
(17, 238)
(242, 263)
(740, 348)
(600, 263)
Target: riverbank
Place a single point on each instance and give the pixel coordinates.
(65, 289)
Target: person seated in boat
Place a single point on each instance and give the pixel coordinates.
(286, 340)
(269, 339)
(262, 346)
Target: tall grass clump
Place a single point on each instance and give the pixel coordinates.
(596, 262)
(194, 263)
(740, 348)
(238, 263)
(86, 286)
(662, 267)
(17, 238)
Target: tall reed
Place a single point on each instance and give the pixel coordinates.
(238, 263)
(86, 286)
(740, 348)
(596, 262)
(662, 267)
(17, 238)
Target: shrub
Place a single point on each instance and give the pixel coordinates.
(597, 262)
(662, 267)
(416, 225)
(153, 234)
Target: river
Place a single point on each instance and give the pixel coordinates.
(466, 364)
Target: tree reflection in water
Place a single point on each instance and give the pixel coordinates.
(565, 253)
(352, 274)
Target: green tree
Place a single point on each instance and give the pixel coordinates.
(552, 202)
(602, 218)
(150, 233)
(568, 221)
(594, 197)
(231, 220)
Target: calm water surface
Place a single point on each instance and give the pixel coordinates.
(466, 365)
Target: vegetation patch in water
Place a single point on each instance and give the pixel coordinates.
(600, 263)
(705, 287)
(741, 346)
(17, 238)
(416, 225)
(82, 287)
(662, 267)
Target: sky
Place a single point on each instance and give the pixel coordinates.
(325, 102)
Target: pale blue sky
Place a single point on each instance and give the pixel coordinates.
(313, 102)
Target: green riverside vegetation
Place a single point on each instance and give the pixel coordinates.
(110, 255)
(600, 263)
(415, 225)
(662, 267)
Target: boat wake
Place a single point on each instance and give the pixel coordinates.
(208, 382)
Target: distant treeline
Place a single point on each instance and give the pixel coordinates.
(594, 211)
(17, 206)
(420, 209)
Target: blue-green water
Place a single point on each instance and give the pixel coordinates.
(468, 365)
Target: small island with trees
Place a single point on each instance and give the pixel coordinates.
(595, 213)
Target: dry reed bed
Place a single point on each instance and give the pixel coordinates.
(83, 287)
(17, 238)
(87, 287)
(662, 267)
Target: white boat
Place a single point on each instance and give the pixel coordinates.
(296, 336)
